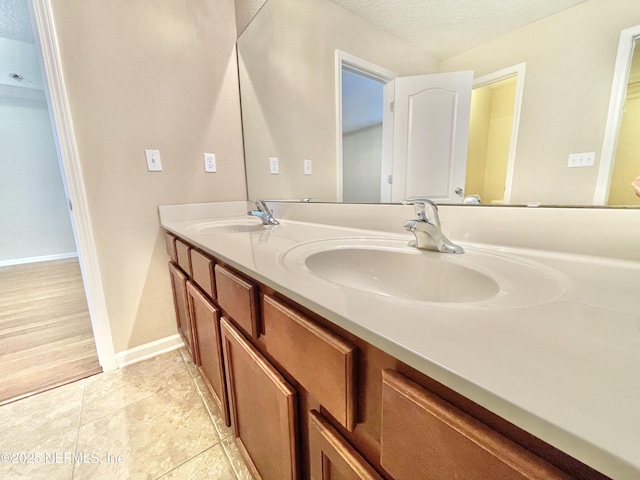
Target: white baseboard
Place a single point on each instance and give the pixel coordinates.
(148, 350)
(43, 258)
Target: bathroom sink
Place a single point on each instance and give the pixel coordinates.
(229, 226)
(388, 267)
(403, 274)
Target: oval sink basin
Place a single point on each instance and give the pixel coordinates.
(388, 267)
(229, 226)
(385, 272)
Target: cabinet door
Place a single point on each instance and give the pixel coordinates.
(263, 409)
(206, 324)
(331, 457)
(183, 317)
(425, 437)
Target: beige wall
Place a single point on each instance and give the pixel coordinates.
(148, 74)
(570, 60)
(288, 91)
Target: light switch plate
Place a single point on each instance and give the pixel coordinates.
(154, 163)
(307, 167)
(273, 166)
(210, 162)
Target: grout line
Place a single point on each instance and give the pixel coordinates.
(75, 448)
(187, 460)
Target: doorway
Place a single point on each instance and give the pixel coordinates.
(493, 131)
(45, 326)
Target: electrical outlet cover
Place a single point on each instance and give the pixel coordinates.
(210, 162)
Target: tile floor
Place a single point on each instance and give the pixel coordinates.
(150, 420)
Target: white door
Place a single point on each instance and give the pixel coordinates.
(430, 135)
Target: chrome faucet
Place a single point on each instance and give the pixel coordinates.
(426, 228)
(263, 212)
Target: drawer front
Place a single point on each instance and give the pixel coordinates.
(425, 437)
(263, 409)
(330, 455)
(238, 298)
(202, 272)
(321, 361)
(170, 241)
(183, 252)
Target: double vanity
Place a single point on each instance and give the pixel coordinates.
(342, 352)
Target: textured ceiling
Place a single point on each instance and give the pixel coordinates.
(444, 28)
(15, 23)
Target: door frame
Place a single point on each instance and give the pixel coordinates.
(614, 114)
(517, 71)
(60, 116)
(376, 72)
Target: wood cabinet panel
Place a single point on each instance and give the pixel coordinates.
(170, 241)
(330, 455)
(238, 298)
(180, 301)
(202, 272)
(425, 437)
(263, 409)
(321, 361)
(206, 324)
(183, 252)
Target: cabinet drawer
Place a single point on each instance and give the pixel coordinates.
(263, 409)
(321, 361)
(238, 298)
(331, 457)
(425, 437)
(202, 272)
(183, 252)
(170, 241)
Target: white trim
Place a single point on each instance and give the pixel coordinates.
(148, 350)
(614, 115)
(517, 71)
(44, 31)
(41, 258)
(375, 72)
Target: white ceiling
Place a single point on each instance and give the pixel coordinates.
(15, 23)
(444, 28)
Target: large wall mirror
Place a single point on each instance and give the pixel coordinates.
(539, 100)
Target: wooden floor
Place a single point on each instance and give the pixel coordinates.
(45, 331)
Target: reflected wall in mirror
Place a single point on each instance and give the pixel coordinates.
(289, 96)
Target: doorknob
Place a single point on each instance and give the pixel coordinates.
(459, 191)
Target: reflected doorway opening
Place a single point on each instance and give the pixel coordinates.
(364, 93)
(496, 101)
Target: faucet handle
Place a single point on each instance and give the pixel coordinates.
(420, 205)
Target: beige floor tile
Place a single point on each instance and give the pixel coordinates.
(193, 369)
(212, 408)
(108, 392)
(50, 459)
(209, 465)
(237, 463)
(153, 436)
(29, 422)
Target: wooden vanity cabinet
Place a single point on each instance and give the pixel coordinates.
(307, 399)
(181, 303)
(206, 325)
(263, 409)
(170, 242)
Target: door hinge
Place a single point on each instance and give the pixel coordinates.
(70, 204)
(390, 179)
(392, 106)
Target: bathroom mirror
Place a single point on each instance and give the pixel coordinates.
(289, 84)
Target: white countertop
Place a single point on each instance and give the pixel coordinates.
(566, 370)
